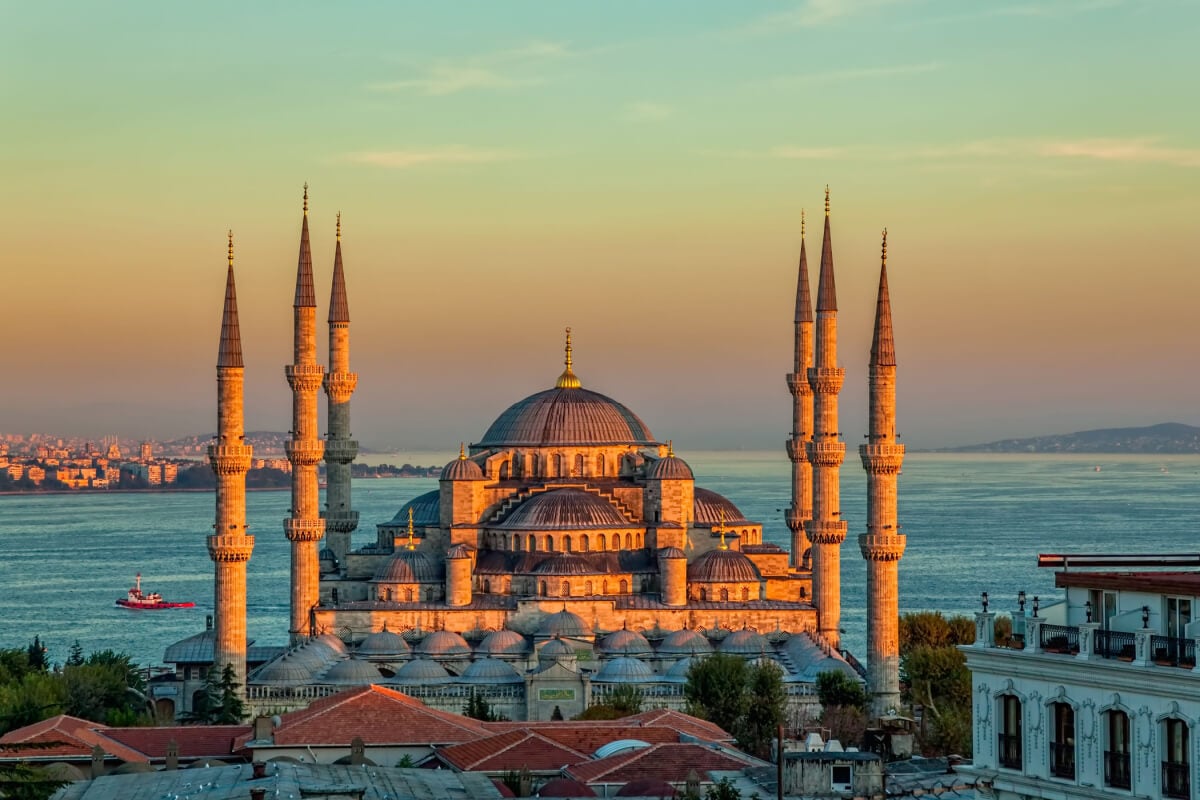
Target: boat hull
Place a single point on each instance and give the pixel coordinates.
(152, 606)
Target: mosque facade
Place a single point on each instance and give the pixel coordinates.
(566, 551)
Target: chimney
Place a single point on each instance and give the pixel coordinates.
(357, 754)
(172, 755)
(97, 761)
(262, 729)
(260, 770)
(258, 793)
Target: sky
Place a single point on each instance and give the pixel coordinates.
(636, 171)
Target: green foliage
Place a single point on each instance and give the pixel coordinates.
(32, 698)
(836, 688)
(14, 664)
(936, 676)
(847, 724)
(716, 689)
(106, 687)
(598, 712)
(75, 657)
(932, 629)
(478, 708)
(723, 790)
(766, 703)
(406, 762)
(19, 781)
(220, 702)
(37, 655)
(626, 700)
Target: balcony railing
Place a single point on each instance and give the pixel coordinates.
(1115, 644)
(1062, 760)
(1060, 639)
(1116, 769)
(1173, 651)
(1175, 780)
(1010, 751)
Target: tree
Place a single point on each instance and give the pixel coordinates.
(766, 702)
(935, 675)
(233, 710)
(20, 781)
(107, 687)
(75, 656)
(723, 790)
(218, 702)
(836, 688)
(716, 690)
(37, 655)
(478, 708)
(626, 700)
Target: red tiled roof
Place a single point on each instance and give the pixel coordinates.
(684, 723)
(71, 737)
(195, 741)
(666, 762)
(564, 787)
(376, 714)
(510, 750)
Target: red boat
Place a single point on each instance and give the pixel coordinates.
(147, 601)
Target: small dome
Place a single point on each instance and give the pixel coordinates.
(459, 551)
(566, 564)
(671, 468)
(745, 642)
(504, 643)
(707, 506)
(462, 469)
(555, 649)
(491, 670)
(565, 787)
(647, 787)
(627, 643)
(684, 642)
(679, 670)
(624, 670)
(383, 644)
(352, 672)
(444, 644)
(564, 509)
(567, 415)
(421, 670)
(564, 623)
(285, 670)
(328, 641)
(326, 555)
(671, 552)
(722, 566)
(409, 566)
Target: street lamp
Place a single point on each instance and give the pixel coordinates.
(985, 602)
(1035, 605)
(1021, 601)
(1088, 607)
(1145, 616)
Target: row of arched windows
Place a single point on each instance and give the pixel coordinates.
(556, 465)
(564, 543)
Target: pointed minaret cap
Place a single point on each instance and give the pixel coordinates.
(568, 379)
(826, 291)
(883, 348)
(306, 295)
(804, 310)
(230, 352)
(339, 306)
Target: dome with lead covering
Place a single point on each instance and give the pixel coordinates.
(745, 642)
(383, 644)
(352, 672)
(707, 506)
(566, 564)
(426, 510)
(624, 670)
(722, 566)
(422, 670)
(409, 566)
(679, 670)
(626, 642)
(566, 416)
(444, 644)
(684, 642)
(287, 669)
(564, 623)
(491, 670)
(670, 468)
(564, 509)
(461, 469)
(555, 648)
(504, 643)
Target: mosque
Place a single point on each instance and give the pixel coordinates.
(565, 552)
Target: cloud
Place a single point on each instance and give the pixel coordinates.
(807, 153)
(649, 111)
(1138, 151)
(814, 14)
(1052, 8)
(409, 159)
(839, 75)
(503, 69)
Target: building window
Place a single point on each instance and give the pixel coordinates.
(584, 544)
(567, 543)
(841, 778)
(745, 594)
(616, 541)
(1062, 743)
(1175, 778)
(579, 465)
(566, 589)
(1116, 750)
(624, 587)
(408, 595)
(1010, 731)
(724, 595)
(602, 543)
(587, 588)
(516, 543)
(543, 589)
(704, 594)
(600, 464)
(532, 543)
(628, 541)
(487, 587)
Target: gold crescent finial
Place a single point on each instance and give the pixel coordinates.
(339, 226)
(231, 249)
(462, 451)
(306, 198)
(411, 546)
(827, 199)
(883, 255)
(802, 223)
(722, 529)
(568, 380)
(670, 448)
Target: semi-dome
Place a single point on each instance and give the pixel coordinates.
(352, 672)
(444, 644)
(563, 623)
(566, 564)
(556, 648)
(671, 468)
(426, 510)
(722, 566)
(684, 642)
(491, 670)
(745, 642)
(707, 506)
(422, 670)
(624, 670)
(627, 643)
(459, 550)
(383, 644)
(409, 566)
(287, 670)
(462, 469)
(564, 509)
(671, 552)
(566, 415)
(505, 643)
(679, 670)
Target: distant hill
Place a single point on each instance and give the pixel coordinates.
(1166, 438)
(266, 444)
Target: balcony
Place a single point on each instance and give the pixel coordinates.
(1172, 651)
(1115, 644)
(1116, 769)
(1062, 760)
(1009, 747)
(1059, 639)
(1175, 781)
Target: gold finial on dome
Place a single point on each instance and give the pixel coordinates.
(411, 546)
(568, 379)
(670, 448)
(231, 249)
(723, 530)
(462, 451)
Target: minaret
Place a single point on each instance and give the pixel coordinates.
(826, 530)
(340, 449)
(229, 546)
(802, 413)
(304, 528)
(883, 544)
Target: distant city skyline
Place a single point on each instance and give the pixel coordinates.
(636, 172)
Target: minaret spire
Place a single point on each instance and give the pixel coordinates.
(826, 530)
(229, 546)
(341, 519)
(304, 527)
(800, 511)
(882, 545)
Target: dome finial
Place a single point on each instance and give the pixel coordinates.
(411, 546)
(231, 249)
(306, 198)
(462, 451)
(721, 527)
(883, 253)
(670, 448)
(339, 226)
(827, 199)
(567, 380)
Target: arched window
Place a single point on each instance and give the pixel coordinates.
(532, 543)
(560, 465)
(388, 595)
(600, 465)
(1009, 731)
(505, 470)
(1062, 741)
(1117, 772)
(1175, 759)
(628, 541)
(724, 595)
(567, 543)
(624, 586)
(704, 594)
(542, 591)
(565, 591)
(583, 543)
(408, 595)
(579, 465)
(639, 540)
(745, 594)
(429, 595)
(587, 589)
(487, 587)
(516, 543)
(549, 544)
(602, 543)
(604, 586)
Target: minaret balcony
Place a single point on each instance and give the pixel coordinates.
(340, 385)
(822, 531)
(304, 530)
(798, 385)
(230, 459)
(826, 380)
(230, 548)
(797, 449)
(340, 521)
(340, 451)
(304, 377)
(882, 546)
(882, 458)
(304, 453)
(827, 454)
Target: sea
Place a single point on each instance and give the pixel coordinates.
(974, 523)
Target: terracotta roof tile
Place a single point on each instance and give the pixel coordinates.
(73, 737)
(511, 750)
(194, 741)
(667, 762)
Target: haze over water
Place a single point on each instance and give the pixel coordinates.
(973, 523)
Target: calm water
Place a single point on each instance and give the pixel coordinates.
(973, 523)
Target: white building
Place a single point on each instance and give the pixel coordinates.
(1104, 698)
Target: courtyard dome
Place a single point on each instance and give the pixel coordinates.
(564, 509)
(352, 672)
(462, 469)
(745, 642)
(564, 623)
(627, 643)
(624, 670)
(285, 670)
(567, 415)
(383, 644)
(708, 505)
(422, 670)
(491, 670)
(444, 644)
(408, 566)
(722, 566)
(504, 643)
(566, 564)
(679, 670)
(685, 642)
(555, 648)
